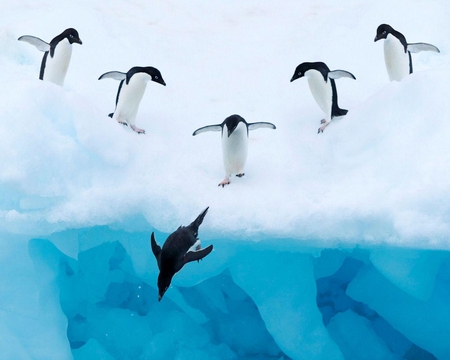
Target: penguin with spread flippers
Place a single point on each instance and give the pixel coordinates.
(234, 143)
(323, 88)
(397, 52)
(57, 54)
(181, 247)
(131, 90)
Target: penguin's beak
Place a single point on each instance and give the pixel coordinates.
(78, 41)
(296, 76)
(376, 39)
(160, 81)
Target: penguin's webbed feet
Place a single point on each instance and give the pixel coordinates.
(324, 125)
(122, 123)
(226, 181)
(139, 131)
(240, 175)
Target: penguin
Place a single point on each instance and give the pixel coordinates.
(54, 67)
(397, 52)
(234, 143)
(323, 88)
(181, 247)
(131, 90)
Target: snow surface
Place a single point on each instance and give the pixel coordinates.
(377, 179)
(378, 175)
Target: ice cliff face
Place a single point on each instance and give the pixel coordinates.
(245, 301)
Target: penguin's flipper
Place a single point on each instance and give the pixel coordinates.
(418, 47)
(156, 249)
(203, 129)
(40, 44)
(337, 74)
(197, 255)
(116, 75)
(259, 125)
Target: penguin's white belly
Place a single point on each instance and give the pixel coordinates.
(129, 98)
(395, 58)
(56, 66)
(235, 150)
(321, 91)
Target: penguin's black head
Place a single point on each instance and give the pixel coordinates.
(163, 284)
(231, 123)
(155, 75)
(304, 67)
(383, 31)
(72, 35)
(151, 71)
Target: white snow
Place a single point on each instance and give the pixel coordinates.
(380, 174)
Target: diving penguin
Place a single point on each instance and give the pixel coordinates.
(234, 143)
(131, 90)
(54, 67)
(323, 88)
(397, 52)
(181, 247)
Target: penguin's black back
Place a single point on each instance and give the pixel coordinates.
(410, 63)
(117, 97)
(335, 109)
(179, 241)
(175, 247)
(43, 63)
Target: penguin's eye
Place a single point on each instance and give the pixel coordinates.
(299, 74)
(71, 36)
(156, 77)
(384, 32)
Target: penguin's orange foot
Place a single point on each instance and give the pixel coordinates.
(240, 175)
(323, 121)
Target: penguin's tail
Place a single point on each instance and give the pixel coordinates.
(339, 112)
(197, 222)
(111, 115)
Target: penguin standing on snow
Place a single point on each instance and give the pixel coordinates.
(56, 54)
(131, 90)
(323, 88)
(181, 247)
(234, 143)
(397, 52)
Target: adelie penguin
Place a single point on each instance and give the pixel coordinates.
(323, 88)
(234, 143)
(397, 52)
(131, 90)
(181, 247)
(57, 54)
